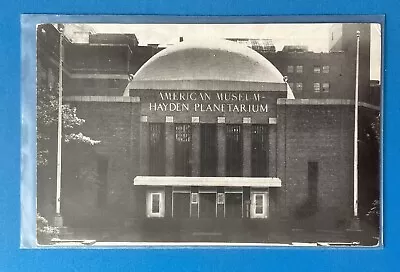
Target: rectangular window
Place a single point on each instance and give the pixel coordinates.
(259, 150)
(299, 86)
(208, 153)
(290, 69)
(259, 202)
(220, 198)
(299, 69)
(313, 184)
(325, 69)
(325, 87)
(157, 149)
(155, 204)
(183, 150)
(234, 150)
(259, 205)
(317, 69)
(195, 198)
(317, 87)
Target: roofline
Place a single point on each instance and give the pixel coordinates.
(207, 85)
(329, 101)
(284, 101)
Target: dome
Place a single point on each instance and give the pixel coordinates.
(219, 60)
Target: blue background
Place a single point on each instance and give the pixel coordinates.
(14, 259)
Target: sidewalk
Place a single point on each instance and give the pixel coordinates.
(130, 238)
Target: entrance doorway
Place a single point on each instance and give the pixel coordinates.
(208, 205)
(181, 205)
(233, 205)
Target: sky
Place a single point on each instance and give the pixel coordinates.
(315, 36)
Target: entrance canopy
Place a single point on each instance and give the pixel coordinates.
(207, 181)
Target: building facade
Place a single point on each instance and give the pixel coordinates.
(208, 142)
(220, 145)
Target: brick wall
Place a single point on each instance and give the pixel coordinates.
(306, 130)
(91, 86)
(96, 58)
(323, 134)
(116, 125)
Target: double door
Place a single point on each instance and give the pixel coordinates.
(207, 205)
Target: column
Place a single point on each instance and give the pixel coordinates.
(282, 201)
(194, 202)
(144, 146)
(168, 201)
(134, 140)
(246, 136)
(195, 146)
(246, 202)
(221, 206)
(169, 146)
(272, 148)
(272, 172)
(221, 146)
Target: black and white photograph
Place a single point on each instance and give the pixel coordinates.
(264, 134)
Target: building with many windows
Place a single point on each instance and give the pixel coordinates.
(313, 75)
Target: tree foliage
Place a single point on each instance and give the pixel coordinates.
(47, 120)
(44, 231)
(376, 127)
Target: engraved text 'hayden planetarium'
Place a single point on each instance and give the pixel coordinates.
(209, 102)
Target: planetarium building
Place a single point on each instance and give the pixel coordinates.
(227, 153)
(208, 143)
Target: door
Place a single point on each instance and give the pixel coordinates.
(233, 205)
(208, 205)
(208, 151)
(181, 205)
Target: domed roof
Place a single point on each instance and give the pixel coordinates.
(203, 60)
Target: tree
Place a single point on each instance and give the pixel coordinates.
(376, 127)
(374, 212)
(48, 54)
(44, 230)
(47, 120)
(369, 174)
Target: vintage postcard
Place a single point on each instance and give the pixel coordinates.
(209, 134)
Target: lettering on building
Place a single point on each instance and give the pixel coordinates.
(248, 102)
